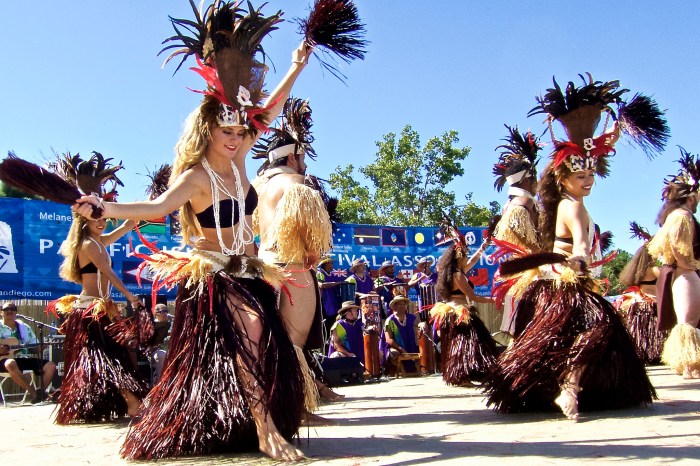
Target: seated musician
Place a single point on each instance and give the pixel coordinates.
(400, 333)
(347, 334)
(384, 285)
(14, 332)
(157, 345)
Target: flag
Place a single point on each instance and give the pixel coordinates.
(366, 236)
(393, 237)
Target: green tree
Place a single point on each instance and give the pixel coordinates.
(9, 191)
(407, 184)
(612, 270)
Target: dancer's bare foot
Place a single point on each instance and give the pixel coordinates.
(271, 443)
(568, 401)
(314, 420)
(132, 403)
(328, 394)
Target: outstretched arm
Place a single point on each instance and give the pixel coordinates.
(184, 188)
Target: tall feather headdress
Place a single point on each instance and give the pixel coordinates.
(687, 181)
(225, 40)
(518, 158)
(579, 109)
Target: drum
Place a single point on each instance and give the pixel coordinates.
(371, 314)
(427, 353)
(400, 289)
(372, 365)
(427, 297)
(345, 291)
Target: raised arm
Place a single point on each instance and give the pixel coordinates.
(184, 188)
(476, 256)
(118, 232)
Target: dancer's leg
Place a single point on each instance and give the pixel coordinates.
(271, 441)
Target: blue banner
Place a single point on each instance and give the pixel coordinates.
(31, 233)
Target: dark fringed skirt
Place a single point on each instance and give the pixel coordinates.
(97, 370)
(468, 350)
(202, 401)
(642, 326)
(572, 327)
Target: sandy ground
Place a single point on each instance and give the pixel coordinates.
(409, 422)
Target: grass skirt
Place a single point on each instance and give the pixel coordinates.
(97, 369)
(201, 403)
(642, 321)
(572, 327)
(468, 350)
(682, 348)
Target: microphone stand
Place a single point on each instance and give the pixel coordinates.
(40, 325)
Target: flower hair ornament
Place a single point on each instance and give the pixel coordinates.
(687, 181)
(579, 110)
(518, 159)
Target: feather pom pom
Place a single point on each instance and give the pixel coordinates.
(642, 120)
(33, 179)
(335, 26)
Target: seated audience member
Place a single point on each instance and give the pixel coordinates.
(400, 333)
(15, 332)
(346, 334)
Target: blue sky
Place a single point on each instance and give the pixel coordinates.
(83, 75)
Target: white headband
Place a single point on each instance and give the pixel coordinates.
(281, 152)
(516, 177)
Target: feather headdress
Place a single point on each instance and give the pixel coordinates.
(579, 109)
(687, 181)
(292, 137)
(639, 232)
(159, 181)
(225, 40)
(90, 176)
(450, 233)
(518, 158)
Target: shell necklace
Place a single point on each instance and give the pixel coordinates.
(242, 233)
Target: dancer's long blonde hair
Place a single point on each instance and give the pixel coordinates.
(189, 152)
(70, 268)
